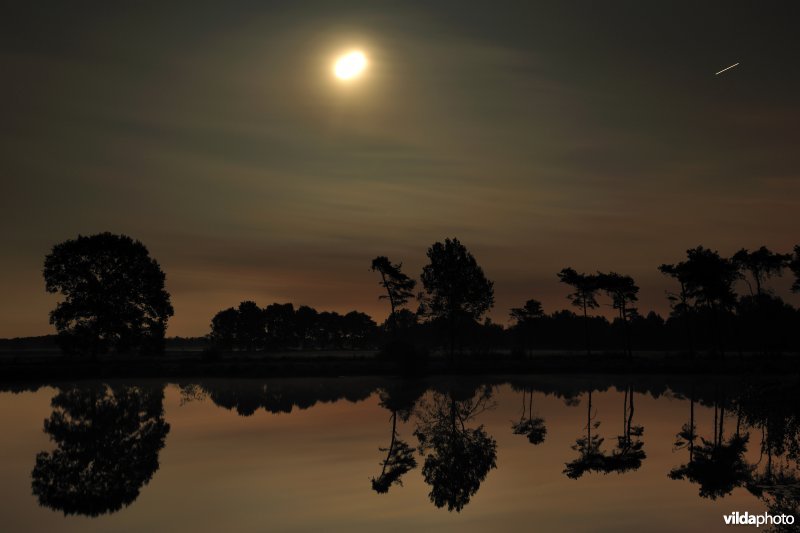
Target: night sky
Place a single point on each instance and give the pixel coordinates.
(542, 135)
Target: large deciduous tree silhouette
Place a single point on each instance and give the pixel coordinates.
(114, 295)
(108, 440)
(456, 288)
(398, 286)
(584, 296)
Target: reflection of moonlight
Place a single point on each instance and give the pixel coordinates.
(350, 65)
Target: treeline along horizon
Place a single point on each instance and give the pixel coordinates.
(114, 300)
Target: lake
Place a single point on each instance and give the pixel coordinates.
(549, 453)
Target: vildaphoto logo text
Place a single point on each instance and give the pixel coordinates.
(746, 519)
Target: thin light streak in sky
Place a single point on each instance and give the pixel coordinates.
(726, 68)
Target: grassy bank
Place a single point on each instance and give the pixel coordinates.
(52, 365)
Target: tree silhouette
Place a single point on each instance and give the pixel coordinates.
(279, 322)
(224, 329)
(114, 296)
(529, 425)
(251, 326)
(404, 319)
(526, 318)
(398, 286)
(707, 280)
(305, 323)
(584, 296)
(680, 302)
(243, 328)
(772, 321)
(623, 291)
(761, 264)
(328, 330)
(761, 310)
(531, 311)
(794, 265)
(357, 328)
(456, 288)
(108, 440)
(458, 458)
(280, 327)
(711, 282)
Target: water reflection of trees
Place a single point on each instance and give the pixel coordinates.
(773, 409)
(719, 464)
(107, 444)
(687, 436)
(760, 414)
(457, 457)
(279, 395)
(590, 457)
(628, 453)
(531, 426)
(399, 398)
(399, 460)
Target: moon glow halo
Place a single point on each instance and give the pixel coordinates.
(350, 65)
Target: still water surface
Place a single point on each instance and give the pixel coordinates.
(367, 454)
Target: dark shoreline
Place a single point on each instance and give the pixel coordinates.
(19, 366)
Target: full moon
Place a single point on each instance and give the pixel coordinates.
(350, 65)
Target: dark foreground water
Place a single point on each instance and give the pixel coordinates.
(375, 454)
